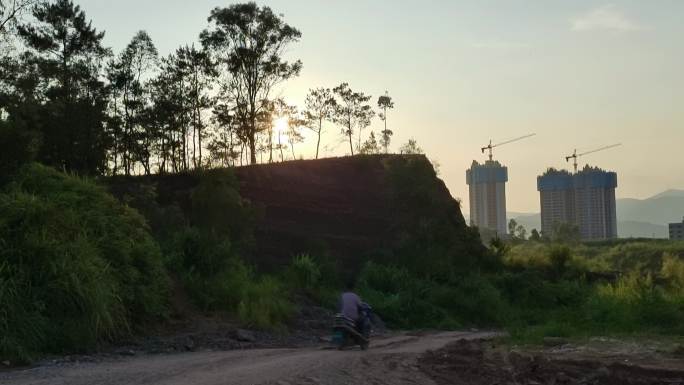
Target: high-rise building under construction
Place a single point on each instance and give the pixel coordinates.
(585, 199)
(487, 184)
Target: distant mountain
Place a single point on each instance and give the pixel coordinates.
(669, 193)
(626, 229)
(662, 209)
(636, 229)
(637, 218)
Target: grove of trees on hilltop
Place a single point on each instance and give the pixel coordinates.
(72, 103)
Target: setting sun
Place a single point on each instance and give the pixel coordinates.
(281, 125)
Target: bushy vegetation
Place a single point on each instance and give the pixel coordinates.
(430, 235)
(76, 266)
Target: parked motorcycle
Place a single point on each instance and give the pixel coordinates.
(347, 332)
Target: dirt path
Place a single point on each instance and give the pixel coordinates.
(389, 361)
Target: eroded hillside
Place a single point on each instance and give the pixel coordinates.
(347, 208)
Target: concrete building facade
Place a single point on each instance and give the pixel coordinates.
(487, 184)
(585, 199)
(677, 231)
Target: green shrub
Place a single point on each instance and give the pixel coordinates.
(76, 266)
(635, 304)
(304, 273)
(19, 147)
(266, 305)
(673, 272)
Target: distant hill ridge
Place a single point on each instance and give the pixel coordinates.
(636, 217)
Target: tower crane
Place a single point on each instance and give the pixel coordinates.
(491, 146)
(575, 155)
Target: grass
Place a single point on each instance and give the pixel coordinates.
(76, 266)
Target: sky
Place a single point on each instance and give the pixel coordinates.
(580, 74)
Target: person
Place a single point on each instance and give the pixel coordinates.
(354, 309)
(350, 303)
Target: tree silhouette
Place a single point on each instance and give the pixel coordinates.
(66, 53)
(249, 42)
(320, 106)
(411, 147)
(352, 112)
(385, 103)
(370, 146)
(127, 75)
(10, 12)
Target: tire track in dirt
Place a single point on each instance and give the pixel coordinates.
(389, 361)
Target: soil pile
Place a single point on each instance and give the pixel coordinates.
(481, 362)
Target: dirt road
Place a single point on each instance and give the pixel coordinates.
(389, 361)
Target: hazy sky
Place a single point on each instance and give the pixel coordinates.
(580, 74)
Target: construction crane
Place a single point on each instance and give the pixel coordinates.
(575, 155)
(491, 146)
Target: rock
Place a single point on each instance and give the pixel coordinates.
(554, 341)
(6, 363)
(603, 372)
(245, 335)
(189, 344)
(126, 352)
(678, 351)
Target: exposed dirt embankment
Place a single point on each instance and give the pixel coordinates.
(475, 362)
(342, 207)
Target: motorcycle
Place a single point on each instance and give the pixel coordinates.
(347, 332)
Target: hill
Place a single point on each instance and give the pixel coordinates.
(347, 208)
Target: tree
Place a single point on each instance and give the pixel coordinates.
(512, 225)
(11, 11)
(521, 233)
(535, 236)
(200, 71)
(370, 146)
(411, 148)
(320, 106)
(385, 103)
(67, 54)
(352, 112)
(565, 233)
(131, 99)
(249, 41)
(294, 123)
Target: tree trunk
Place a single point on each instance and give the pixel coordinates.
(270, 144)
(252, 149)
(320, 130)
(280, 145)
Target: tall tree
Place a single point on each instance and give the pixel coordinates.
(250, 41)
(68, 54)
(385, 103)
(320, 106)
(201, 72)
(352, 112)
(128, 76)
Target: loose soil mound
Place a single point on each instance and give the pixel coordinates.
(481, 362)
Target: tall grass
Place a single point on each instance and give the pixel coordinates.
(76, 267)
